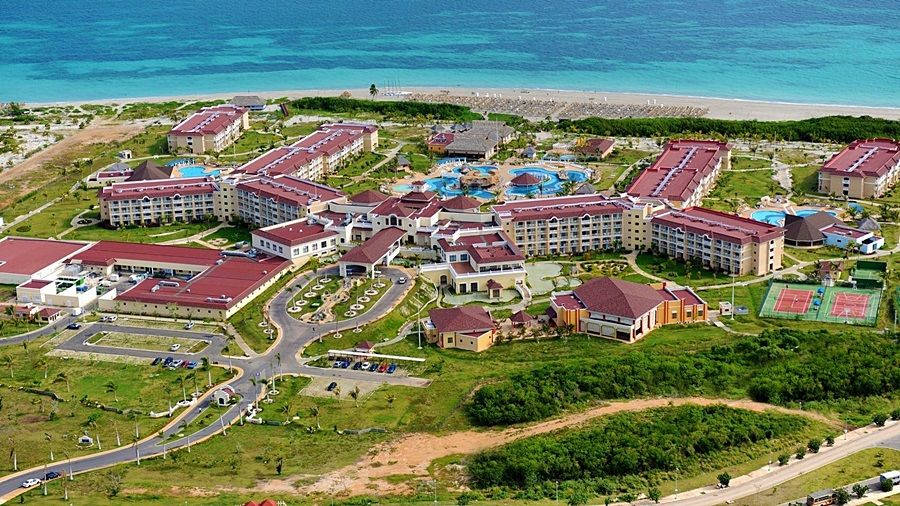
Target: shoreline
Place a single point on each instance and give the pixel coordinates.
(719, 108)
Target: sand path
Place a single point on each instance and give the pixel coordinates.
(97, 132)
(412, 454)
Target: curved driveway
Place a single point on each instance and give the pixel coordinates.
(279, 359)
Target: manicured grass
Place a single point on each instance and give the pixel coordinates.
(299, 130)
(626, 156)
(28, 416)
(246, 321)
(745, 163)
(746, 186)
(12, 327)
(682, 273)
(805, 179)
(57, 218)
(359, 291)
(147, 342)
(252, 140)
(360, 164)
(233, 234)
(856, 467)
(161, 233)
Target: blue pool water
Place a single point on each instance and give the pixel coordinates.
(448, 185)
(552, 183)
(195, 171)
(777, 217)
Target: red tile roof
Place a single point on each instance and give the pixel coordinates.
(869, 157)
(375, 247)
(460, 203)
(209, 120)
(719, 225)
(597, 146)
(493, 285)
(109, 252)
(159, 189)
(36, 284)
(688, 297)
(19, 255)
(567, 301)
(285, 160)
(521, 317)
(220, 287)
(292, 190)
(526, 179)
(295, 233)
(560, 207)
(461, 319)
(441, 139)
(368, 197)
(845, 231)
(678, 170)
(617, 297)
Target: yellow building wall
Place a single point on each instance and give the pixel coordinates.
(466, 342)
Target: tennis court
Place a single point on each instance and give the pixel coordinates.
(834, 304)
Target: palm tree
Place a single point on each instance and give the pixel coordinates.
(204, 366)
(162, 435)
(337, 392)
(42, 362)
(314, 411)
(63, 376)
(184, 426)
(373, 90)
(13, 455)
(183, 389)
(390, 400)
(354, 394)
(278, 361)
(8, 362)
(112, 388)
(286, 410)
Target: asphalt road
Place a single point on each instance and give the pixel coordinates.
(886, 437)
(279, 359)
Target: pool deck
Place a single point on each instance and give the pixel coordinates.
(503, 170)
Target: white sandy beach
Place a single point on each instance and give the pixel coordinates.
(718, 107)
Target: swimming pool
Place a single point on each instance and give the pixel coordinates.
(448, 184)
(552, 184)
(195, 171)
(777, 217)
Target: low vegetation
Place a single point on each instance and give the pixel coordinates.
(780, 366)
(389, 110)
(630, 451)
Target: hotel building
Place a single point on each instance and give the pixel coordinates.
(683, 173)
(864, 169)
(156, 202)
(209, 129)
(270, 201)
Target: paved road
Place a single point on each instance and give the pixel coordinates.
(887, 437)
(280, 358)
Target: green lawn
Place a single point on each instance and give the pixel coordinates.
(856, 467)
(80, 383)
(150, 142)
(161, 233)
(252, 140)
(58, 217)
(745, 163)
(233, 234)
(13, 327)
(246, 321)
(682, 273)
(360, 164)
(626, 156)
(745, 186)
(299, 130)
(805, 179)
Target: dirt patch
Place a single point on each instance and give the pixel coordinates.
(412, 454)
(98, 132)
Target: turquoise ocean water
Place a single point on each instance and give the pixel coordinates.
(825, 51)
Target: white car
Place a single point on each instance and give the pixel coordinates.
(31, 482)
(174, 347)
(402, 281)
(188, 325)
(365, 366)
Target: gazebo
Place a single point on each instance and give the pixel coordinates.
(526, 179)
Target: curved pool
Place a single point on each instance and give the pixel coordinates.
(777, 217)
(552, 183)
(447, 185)
(194, 171)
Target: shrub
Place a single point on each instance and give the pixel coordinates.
(879, 419)
(814, 445)
(783, 459)
(801, 453)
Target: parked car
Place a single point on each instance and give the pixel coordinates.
(357, 366)
(168, 361)
(31, 482)
(391, 368)
(402, 281)
(175, 347)
(156, 361)
(52, 475)
(176, 364)
(382, 367)
(188, 325)
(345, 364)
(337, 364)
(373, 367)
(112, 318)
(73, 326)
(192, 364)
(365, 366)
(185, 364)
(331, 386)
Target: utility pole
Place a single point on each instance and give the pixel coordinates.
(733, 278)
